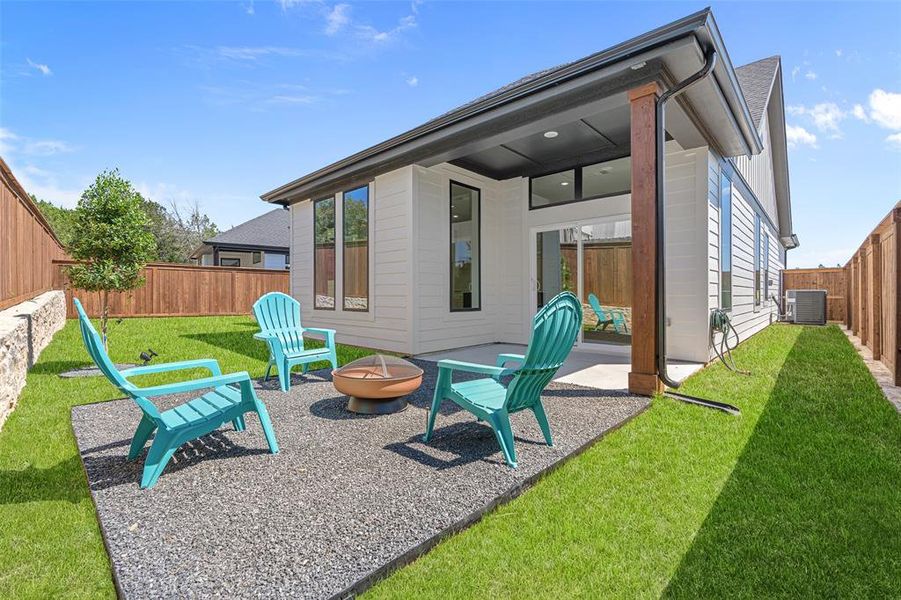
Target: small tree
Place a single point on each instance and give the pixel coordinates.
(111, 236)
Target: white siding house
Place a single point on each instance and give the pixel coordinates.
(476, 218)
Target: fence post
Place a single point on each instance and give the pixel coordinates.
(876, 295)
(897, 294)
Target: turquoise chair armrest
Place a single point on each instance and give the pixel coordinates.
(192, 385)
(212, 365)
(456, 365)
(503, 359)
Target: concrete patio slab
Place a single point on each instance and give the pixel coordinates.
(347, 499)
(604, 370)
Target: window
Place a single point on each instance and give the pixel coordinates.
(766, 266)
(356, 249)
(230, 262)
(257, 257)
(324, 253)
(610, 178)
(757, 242)
(465, 252)
(725, 242)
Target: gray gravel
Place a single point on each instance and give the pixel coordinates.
(348, 498)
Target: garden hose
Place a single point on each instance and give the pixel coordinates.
(719, 323)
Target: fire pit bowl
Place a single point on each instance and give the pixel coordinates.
(377, 384)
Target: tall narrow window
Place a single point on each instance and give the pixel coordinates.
(725, 243)
(356, 249)
(324, 253)
(757, 242)
(766, 266)
(465, 252)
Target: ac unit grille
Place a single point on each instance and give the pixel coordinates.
(810, 306)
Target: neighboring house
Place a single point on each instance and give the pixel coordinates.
(263, 242)
(456, 232)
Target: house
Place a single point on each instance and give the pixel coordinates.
(263, 242)
(455, 233)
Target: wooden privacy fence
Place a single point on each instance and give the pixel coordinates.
(833, 280)
(27, 244)
(181, 290)
(874, 296)
(608, 270)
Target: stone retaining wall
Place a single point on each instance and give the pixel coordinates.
(25, 330)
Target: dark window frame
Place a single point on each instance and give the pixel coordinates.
(344, 248)
(758, 240)
(450, 245)
(766, 267)
(577, 184)
(230, 260)
(334, 259)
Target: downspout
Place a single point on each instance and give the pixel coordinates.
(709, 62)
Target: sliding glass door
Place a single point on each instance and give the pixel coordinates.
(593, 260)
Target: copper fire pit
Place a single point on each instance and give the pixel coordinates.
(377, 384)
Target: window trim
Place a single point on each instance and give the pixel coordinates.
(577, 184)
(766, 267)
(230, 259)
(758, 240)
(344, 193)
(334, 259)
(450, 231)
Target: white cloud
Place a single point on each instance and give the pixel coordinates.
(894, 141)
(291, 99)
(826, 116)
(885, 109)
(248, 8)
(6, 139)
(367, 32)
(46, 147)
(44, 69)
(795, 72)
(810, 75)
(45, 185)
(413, 81)
(860, 113)
(798, 136)
(337, 18)
(838, 52)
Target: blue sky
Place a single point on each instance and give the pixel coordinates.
(218, 102)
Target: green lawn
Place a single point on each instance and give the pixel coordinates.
(800, 496)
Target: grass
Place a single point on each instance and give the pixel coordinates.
(800, 496)
(50, 544)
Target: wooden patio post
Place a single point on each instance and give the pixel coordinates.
(876, 293)
(643, 378)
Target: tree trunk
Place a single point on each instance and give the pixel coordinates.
(104, 316)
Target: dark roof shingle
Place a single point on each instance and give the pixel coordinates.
(756, 81)
(269, 230)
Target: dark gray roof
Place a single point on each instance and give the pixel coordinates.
(269, 230)
(756, 81)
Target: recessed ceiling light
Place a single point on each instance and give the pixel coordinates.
(564, 183)
(637, 66)
(550, 134)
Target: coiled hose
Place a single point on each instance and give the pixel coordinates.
(720, 323)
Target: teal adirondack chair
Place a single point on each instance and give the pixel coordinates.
(184, 422)
(278, 316)
(554, 331)
(607, 316)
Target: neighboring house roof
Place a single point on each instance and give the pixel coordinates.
(269, 230)
(756, 81)
(677, 48)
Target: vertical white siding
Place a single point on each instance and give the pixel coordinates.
(686, 255)
(387, 325)
(758, 172)
(436, 327)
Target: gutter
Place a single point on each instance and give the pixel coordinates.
(660, 301)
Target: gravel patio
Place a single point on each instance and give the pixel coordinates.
(346, 500)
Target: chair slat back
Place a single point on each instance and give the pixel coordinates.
(596, 305)
(93, 343)
(554, 331)
(279, 313)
